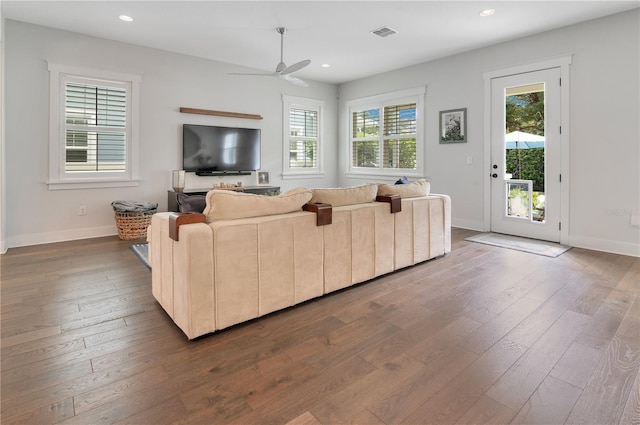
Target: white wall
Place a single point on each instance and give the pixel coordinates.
(605, 135)
(3, 202)
(37, 215)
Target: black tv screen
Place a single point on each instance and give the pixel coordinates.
(210, 149)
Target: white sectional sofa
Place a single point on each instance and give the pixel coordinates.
(256, 254)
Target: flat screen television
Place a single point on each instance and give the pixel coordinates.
(212, 150)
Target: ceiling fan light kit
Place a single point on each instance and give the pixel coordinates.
(282, 70)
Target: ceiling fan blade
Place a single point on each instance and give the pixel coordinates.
(283, 71)
(295, 80)
(296, 66)
(281, 67)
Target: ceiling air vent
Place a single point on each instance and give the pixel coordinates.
(384, 31)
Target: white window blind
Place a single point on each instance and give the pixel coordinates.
(303, 138)
(395, 144)
(400, 132)
(93, 130)
(365, 140)
(385, 134)
(302, 144)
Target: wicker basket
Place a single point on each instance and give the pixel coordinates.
(133, 224)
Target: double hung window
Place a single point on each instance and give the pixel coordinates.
(303, 137)
(93, 136)
(385, 134)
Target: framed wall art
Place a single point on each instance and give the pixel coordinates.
(263, 178)
(453, 126)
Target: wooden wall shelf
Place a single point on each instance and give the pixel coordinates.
(219, 113)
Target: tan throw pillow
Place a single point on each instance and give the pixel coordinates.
(412, 190)
(229, 204)
(346, 196)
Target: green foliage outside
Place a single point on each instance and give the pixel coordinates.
(537, 203)
(406, 157)
(525, 113)
(407, 154)
(398, 152)
(519, 193)
(309, 153)
(366, 153)
(531, 166)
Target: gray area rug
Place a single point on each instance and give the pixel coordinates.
(533, 246)
(141, 250)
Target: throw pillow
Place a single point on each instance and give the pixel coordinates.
(191, 203)
(412, 190)
(229, 204)
(402, 180)
(346, 196)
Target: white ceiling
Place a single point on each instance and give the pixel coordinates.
(333, 32)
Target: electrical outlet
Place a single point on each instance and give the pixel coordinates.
(469, 160)
(82, 210)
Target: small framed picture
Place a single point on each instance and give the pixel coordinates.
(263, 178)
(453, 126)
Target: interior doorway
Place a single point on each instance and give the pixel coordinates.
(526, 162)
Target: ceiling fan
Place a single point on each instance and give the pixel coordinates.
(282, 70)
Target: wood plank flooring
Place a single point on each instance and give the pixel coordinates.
(484, 335)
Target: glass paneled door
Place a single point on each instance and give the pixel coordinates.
(525, 155)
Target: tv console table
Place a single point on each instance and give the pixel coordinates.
(172, 195)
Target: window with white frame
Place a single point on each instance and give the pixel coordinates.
(302, 144)
(93, 135)
(385, 134)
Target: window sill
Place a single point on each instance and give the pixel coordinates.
(90, 184)
(382, 176)
(300, 175)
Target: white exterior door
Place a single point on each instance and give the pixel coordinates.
(525, 155)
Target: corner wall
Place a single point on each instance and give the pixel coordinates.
(3, 200)
(169, 81)
(604, 174)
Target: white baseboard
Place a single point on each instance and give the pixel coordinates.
(605, 245)
(60, 236)
(466, 224)
(596, 244)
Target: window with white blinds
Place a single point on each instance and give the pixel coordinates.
(385, 134)
(95, 128)
(93, 134)
(303, 137)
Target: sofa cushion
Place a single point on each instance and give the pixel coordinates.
(411, 190)
(229, 204)
(346, 196)
(191, 203)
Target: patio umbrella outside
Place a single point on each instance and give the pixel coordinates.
(521, 140)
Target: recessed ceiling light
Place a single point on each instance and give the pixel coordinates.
(126, 18)
(325, 65)
(487, 12)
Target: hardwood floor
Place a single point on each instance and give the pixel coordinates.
(482, 335)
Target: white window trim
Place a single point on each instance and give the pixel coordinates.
(303, 103)
(57, 178)
(417, 95)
